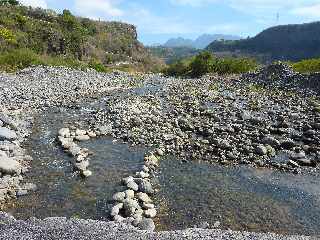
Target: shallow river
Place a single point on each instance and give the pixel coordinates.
(190, 194)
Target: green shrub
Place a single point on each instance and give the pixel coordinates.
(179, 68)
(98, 66)
(203, 63)
(7, 35)
(10, 2)
(206, 62)
(63, 61)
(234, 65)
(307, 66)
(18, 59)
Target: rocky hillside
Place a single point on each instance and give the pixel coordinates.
(46, 32)
(288, 42)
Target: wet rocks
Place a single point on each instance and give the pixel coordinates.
(150, 213)
(67, 139)
(261, 150)
(135, 203)
(145, 187)
(144, 197)
(64, 133)
(132, 185)
(119, 197)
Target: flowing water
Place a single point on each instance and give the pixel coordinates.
(190, 193)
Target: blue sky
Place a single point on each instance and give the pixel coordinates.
(159, 20)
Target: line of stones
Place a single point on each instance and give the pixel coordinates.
(67, 138)
(133, 204)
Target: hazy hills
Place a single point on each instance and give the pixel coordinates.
(200, 43)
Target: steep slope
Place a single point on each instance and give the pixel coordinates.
(287, 42)
(47, 33)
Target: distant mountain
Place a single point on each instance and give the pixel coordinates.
(200, 43)
(287, 42)
(204, 40)
(179, 42)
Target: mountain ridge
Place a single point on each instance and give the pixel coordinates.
(284, 42)
(200, 42)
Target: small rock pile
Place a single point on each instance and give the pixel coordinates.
(282, 76)
(67, 140)
(135, 203)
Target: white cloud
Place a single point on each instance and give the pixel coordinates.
(98, 8)
(255, 6)
(308, 11)
(151, 23)
(34, 3)
(228, 28)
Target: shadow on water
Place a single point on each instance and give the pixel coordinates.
(240, 198)
(62, 192)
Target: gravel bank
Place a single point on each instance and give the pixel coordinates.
(61, 228)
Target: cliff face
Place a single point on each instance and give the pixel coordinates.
(288, 42)
(47, 32)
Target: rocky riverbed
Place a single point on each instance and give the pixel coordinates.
(267, 119)
(34, 90)
(226, 120)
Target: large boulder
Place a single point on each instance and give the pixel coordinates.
(7, 134)
(9, 165)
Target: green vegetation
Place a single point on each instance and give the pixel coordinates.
(15, 59)
(307, 66)
(206, 62)
(173, 54)
(39, 36)
(287, 42)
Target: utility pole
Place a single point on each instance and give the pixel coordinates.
(278, 19)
